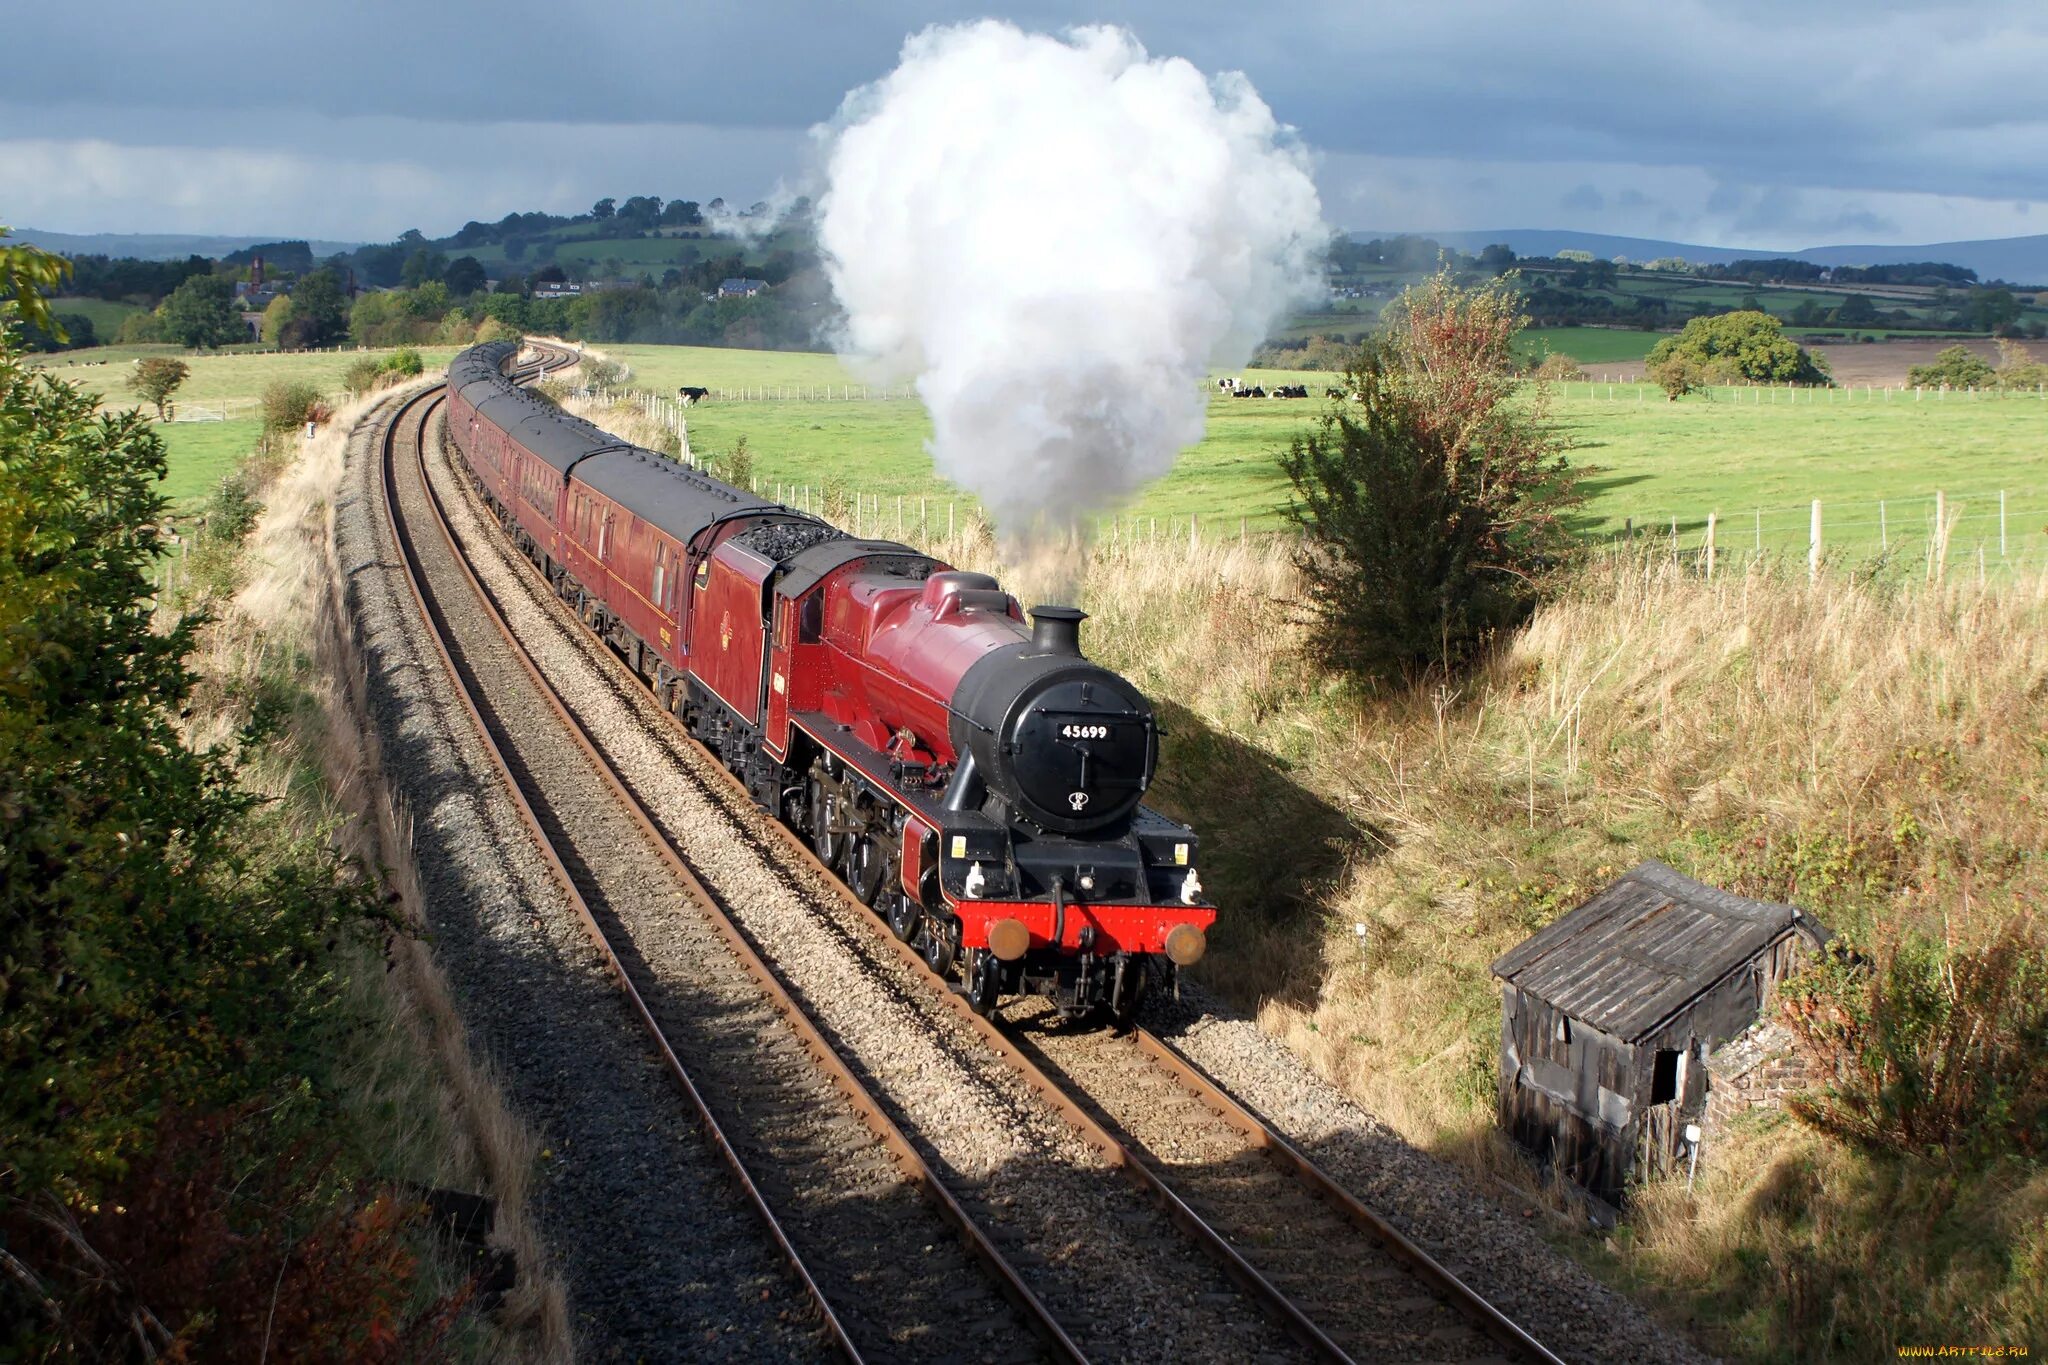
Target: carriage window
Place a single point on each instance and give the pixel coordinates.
(660, 576)
(604, 534)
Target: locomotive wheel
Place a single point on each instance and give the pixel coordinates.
(1123, 1012)
(867, 867)
(937, 946)
(904, 917)
(824, 810)
(984, 981)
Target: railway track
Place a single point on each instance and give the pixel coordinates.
(1342, 1281)
(891, 1265)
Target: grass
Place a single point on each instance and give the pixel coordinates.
(216, 377)
(1734, 453)
(1869, 750)
(201, 454)
(107, 314)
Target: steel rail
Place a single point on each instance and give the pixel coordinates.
(1461, 1297)
(823, 1055)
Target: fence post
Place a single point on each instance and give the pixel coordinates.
(1813, 546)
(1674, 542)
(1884, 535)
(2001, 523)
(1712, 517)
(1940, 566)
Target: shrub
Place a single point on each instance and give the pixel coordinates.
(405, 361)
(2017, 368)
(1557, 368)
(1934, 1049)
(602, 376)
(736, 467)
(362, 374)
(1430, 506)
(288, 404)
(491, 329)
(1954, 367)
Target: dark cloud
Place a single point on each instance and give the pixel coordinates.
(1847, 96)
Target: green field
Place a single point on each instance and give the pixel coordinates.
(201, 454)
(1737, 453)
(1587, 345)
(107, 316)
(216, 378)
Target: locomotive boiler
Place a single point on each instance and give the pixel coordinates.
(975, 779)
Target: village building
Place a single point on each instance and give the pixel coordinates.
(1626, 1018)
(740, 289)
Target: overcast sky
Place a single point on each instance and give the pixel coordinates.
(1738, 123)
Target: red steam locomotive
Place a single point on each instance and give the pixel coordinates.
(977, 782)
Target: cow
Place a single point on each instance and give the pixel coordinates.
(1290, 391)
(693, 396)
(1227, 385)
(1255, 391)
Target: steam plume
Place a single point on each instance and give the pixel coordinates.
(1057, 237)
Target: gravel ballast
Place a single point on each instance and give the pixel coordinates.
(1122, 1280)
(661, 1258)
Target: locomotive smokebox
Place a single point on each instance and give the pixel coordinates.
(1057, 630)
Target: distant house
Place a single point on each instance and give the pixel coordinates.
(740, 289)
(557, 290)
(1611, 1017)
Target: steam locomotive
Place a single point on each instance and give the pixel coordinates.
(977, 782)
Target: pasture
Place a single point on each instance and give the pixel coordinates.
(217, 377)
(1755, 457)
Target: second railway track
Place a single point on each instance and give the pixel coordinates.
(1341, 1280)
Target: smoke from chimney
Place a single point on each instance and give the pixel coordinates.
(1057, 237)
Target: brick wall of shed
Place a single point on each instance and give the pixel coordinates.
(1759, 1070)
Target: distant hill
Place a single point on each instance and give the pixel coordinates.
(2019, 260)
(157, 246)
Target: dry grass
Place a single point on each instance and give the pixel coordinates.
(436, 1115)
(1872, 750)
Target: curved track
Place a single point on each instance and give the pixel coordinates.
(836, 1185)
(1341, 1280)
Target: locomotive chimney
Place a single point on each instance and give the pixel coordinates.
(1057, 630)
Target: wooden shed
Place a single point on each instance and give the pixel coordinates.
(1607, 1017)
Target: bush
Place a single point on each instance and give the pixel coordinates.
(1558, 368)
(1935, 1050)
(156, 378)
(2017, 368)
(1430, 506)
(407, 362)
(288, 405)
(362, 374)
(1954, 367)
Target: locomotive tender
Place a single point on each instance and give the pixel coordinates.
(976, 781)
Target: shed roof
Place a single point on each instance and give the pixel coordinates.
(1639, 951)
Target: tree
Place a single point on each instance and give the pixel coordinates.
(156, 379)
(275, 317)
(1991, 309)
(319, 312)
(1856, 311)
(422, 266)
(1432, 504)
(1729, 348)
(465, 276)
(1955, 367)
(201, 313)
(681, 213)
(1497, 258)
(604, 208)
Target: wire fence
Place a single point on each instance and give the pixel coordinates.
(1986, 531)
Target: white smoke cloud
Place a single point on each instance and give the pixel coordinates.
(1058, 237)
